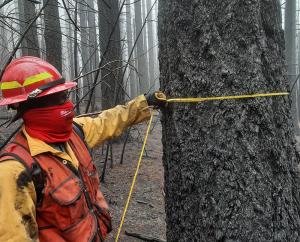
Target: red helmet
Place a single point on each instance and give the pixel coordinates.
(30, 77)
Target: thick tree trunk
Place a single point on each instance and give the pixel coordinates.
(230, 166)
(53, 34)
(290, 43)
(111, 74)
(30, 44)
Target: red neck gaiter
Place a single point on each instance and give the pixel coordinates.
(50, 124)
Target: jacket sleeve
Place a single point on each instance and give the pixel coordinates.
(17, 204)
(112, 122)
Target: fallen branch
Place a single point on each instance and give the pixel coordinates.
(144, 237)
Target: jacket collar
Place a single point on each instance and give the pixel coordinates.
(37, 147)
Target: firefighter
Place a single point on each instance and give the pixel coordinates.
(49, 186)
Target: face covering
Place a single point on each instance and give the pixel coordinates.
(50, 124)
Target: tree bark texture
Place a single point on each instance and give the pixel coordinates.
(290, 44)
(111, 73)
(30, 44)
(53, 35)
(230, 166)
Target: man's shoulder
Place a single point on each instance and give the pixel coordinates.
(10, 168)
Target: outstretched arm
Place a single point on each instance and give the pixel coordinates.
(112, 122)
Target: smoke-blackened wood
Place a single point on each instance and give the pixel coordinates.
(230, 166)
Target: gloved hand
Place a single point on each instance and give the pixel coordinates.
(156, 99)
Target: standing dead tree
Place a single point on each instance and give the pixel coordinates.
(29, 45)
(110, 46)
(53, 35)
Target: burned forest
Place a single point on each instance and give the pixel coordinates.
(150, 120)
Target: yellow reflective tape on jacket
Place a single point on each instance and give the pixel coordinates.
(28, 81)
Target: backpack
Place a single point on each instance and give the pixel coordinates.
(34, 171)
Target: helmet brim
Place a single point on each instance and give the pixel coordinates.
(24, 97)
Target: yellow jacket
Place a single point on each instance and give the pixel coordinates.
(17, 205)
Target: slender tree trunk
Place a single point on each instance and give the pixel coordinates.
(84, 41)
(70, 46)
(156, 66)
(111, 74)
(140, 50)
(151, 45)
(53, 35)
(132, 80)
(4, 48)
(145, 41)
(76, 61)
(30, 44)
(93, 51)
(230, 166)
(290, 40)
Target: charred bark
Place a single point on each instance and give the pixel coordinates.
(230, 166)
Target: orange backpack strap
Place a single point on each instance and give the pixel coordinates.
(78, 130)
(19, 151)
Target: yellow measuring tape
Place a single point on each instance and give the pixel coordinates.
(161, 96)
(134, 178)
(203, 99)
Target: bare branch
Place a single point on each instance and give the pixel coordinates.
(103, 54)
(35, 2)
(69, 15)
(22, 37)
(4, 3)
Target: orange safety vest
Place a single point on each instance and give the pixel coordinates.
(71, 205)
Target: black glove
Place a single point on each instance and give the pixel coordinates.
(156, 99)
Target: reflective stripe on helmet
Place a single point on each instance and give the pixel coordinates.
(10, 85)
(28, 81)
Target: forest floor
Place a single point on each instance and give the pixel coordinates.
(145, 213)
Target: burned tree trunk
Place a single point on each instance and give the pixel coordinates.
(53, 34)
(30, 44)
(230, 166)
(93, 52)
(290, 51)
(111, 53)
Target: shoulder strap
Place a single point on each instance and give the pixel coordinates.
(14, 151)
(78, 130)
